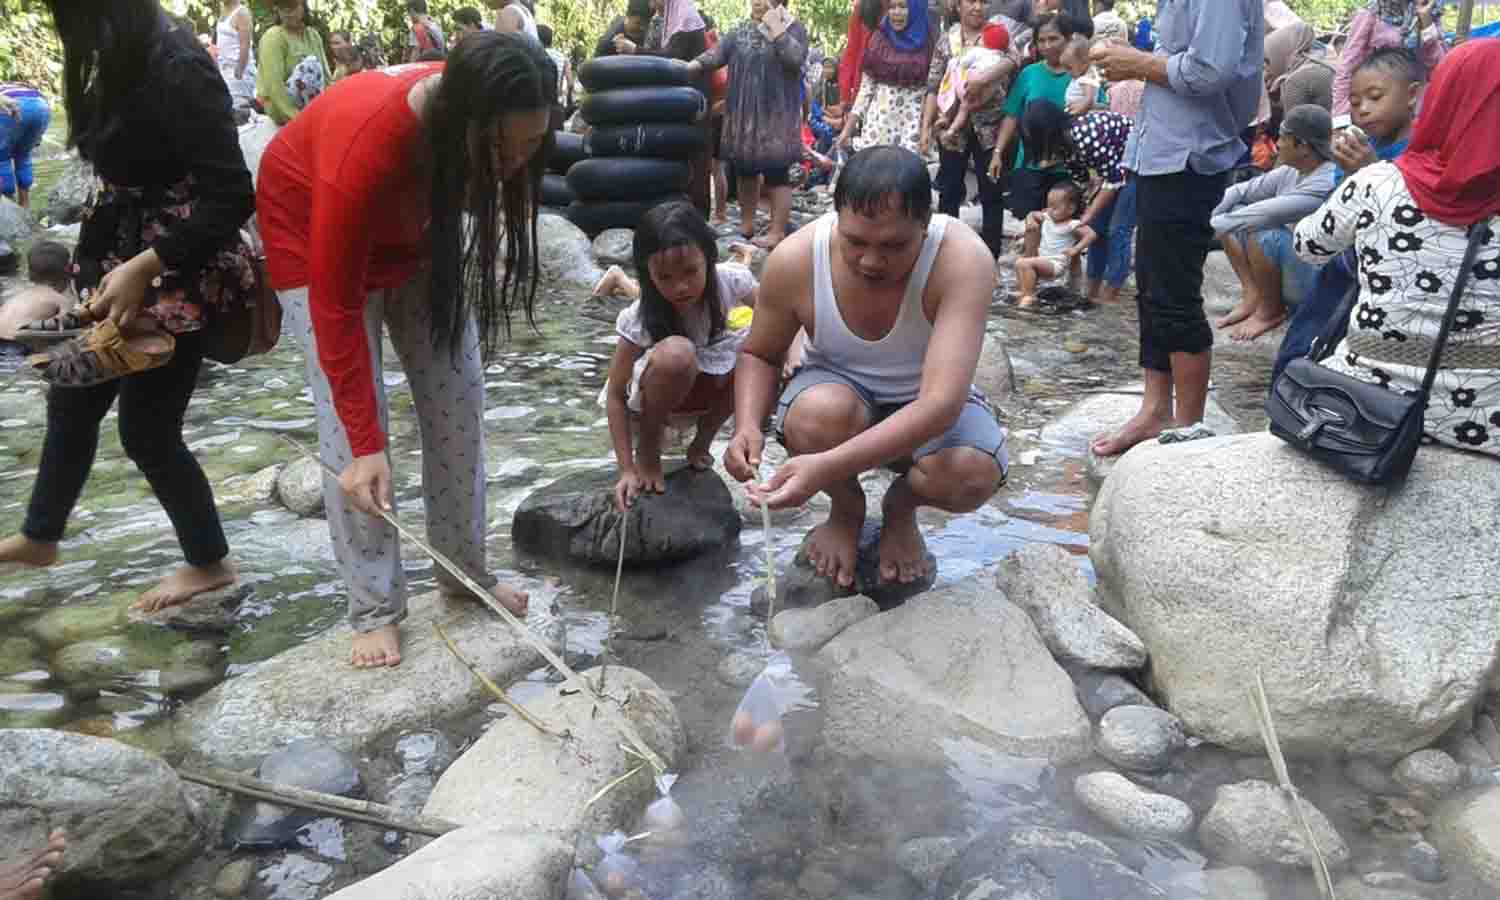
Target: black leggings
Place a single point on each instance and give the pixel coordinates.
(952, 185)
(151, 409)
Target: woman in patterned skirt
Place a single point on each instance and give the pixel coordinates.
(888, 108)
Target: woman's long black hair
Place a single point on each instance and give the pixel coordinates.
(667, 226)
(871, 12)
(1046, 132)
(487, 75)
(106, 50)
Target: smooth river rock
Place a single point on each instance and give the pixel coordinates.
(1048, 582)
(1370, 612)
(311, 691)
(307, 764)
(1140, 738)
(70, 193)
(484, 862)
(809, 629)
(1132, 810)
(1043, 863)
(575, 517)
(567, 254)
(1467, 831)
(1228, 883)
(126, 812)
(16, 224)
(615, 247)
(960, 661)
(299, 487)
(1429, 774)
(1252, 824)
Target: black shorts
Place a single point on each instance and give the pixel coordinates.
(1028, 190)
(1174, 239)
(775, 176)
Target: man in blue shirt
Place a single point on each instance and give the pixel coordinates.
(1203, 87)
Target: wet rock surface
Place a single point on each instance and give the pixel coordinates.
(307, 764)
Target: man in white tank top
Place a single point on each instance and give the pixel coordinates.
(893, 300)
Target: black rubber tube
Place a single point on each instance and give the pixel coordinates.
(567, 148)
(670, 140)
(555, 191)
(626, 178)
(608, 72)
(596, 217)
(629, 106)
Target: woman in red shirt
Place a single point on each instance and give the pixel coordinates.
(379, 206)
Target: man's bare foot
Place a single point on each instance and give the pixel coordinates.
(903, 552)
(833, 547)
(700, 453)
(22, 550)
(516, 602)
(185, 584)
(1109, 294)
(1145, 426)
(378, 648)
(27, 879)
(769, 240)
(1242, 311)
(720, 217)
(1257, 325)
(1027, 301)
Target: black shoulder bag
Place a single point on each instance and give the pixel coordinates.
(1366, 431)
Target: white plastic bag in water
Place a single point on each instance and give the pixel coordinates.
(616, 872)
(757, 720)
(664, 815)
(581, 887)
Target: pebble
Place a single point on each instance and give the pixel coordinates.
(1140, 738)
(1075, 347)
(1425, 863)
(1100, 692)
(1132, 810)
(1431, 774)
(234, 878)
(926, 858)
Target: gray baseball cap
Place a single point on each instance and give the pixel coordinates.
(1312, 125)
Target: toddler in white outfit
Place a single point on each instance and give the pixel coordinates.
(1083, 91)
(1054, 238)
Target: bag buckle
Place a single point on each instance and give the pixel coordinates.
(1321, 417)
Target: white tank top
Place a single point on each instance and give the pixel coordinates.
(227, 38)
(528, 21)
(890, 369)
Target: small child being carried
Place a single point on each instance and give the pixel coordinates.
(1083, 90)
(954, 104)
(676, 354)
(1054, 238)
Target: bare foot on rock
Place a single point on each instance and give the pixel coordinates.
(1257, 325)
(1143, 427)
(1242, 311)
(185, 584)
(21, 550)
(27, 878)
(902, 551)
(700, 452)
(378, 648)
(833, 547)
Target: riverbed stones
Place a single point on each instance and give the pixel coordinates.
(1369, 612)
(1047, 582)
(809, 629)
(543, 788)
(312, 691)
(800, 585)
(1252, 823)
(234, 879)
(1101, 692)
(299, 487)
(1429, 774)
(127, 816)
(16, 224)
(1130, 809)
(167, 661)
(1140, 738)
(70, 193)
(614, 247)
(958, 662)
(1467, 831)
(307, 764)
(1425, 863)
(575, 517)
(1043, 862)
(1228, 883)
(1102, 413)
(566, 253)
(493, 862)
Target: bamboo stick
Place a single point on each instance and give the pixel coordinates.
(1262, 706)
(364, 811)
(493, 688)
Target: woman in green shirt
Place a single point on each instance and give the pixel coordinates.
(1043, 80)
(291, 47)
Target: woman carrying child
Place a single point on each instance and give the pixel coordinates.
(676, 354)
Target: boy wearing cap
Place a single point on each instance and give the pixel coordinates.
(1255, 218)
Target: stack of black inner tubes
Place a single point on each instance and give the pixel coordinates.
(646, 126)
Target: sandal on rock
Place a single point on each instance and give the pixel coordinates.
(1195, 432)
(101, 355)
(60, 327)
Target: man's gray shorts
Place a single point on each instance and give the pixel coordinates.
(976, 427)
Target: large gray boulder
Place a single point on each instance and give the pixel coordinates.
(615, 247)
(1075, 429)
(808, 629)
(960, 661)
(567, 254)
(575, 517)
(70, 193)
(311, 691)
(1370, 612)
(16, 224)
(533, 782)
(485, 862)
(1048, 582)
(127, 816)
(1467, 831)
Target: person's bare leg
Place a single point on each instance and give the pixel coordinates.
(721, 194)
(1026, 282)
(22, 550)
(1154, 416)
(1271, 311)
(616, 282)
(1190, 387)
(377, 648)
(23, 197)
(667, 381)
(781, 212)
(1031, 240)
(184, 584)
(699, 452)
(1109, 293)
(516, 601)
(26, 879)
(824, 417)
(956, 480)
(1249, 297)
(749, 193)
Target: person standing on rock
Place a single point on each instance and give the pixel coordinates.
(1203, 87)
(381, 205)
(893, 300)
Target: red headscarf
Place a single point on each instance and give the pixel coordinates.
(1452, 167)
(851, 67)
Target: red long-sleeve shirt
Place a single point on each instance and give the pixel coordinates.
(343, 210)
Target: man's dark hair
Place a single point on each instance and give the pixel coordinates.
(468, 16)
(875, 178)
(1074, 191)
(47, 263)
(544, 34)
(415, 7)
(1397, 62)
(1045, 131)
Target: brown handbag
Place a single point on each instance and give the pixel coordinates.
(249, 328)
